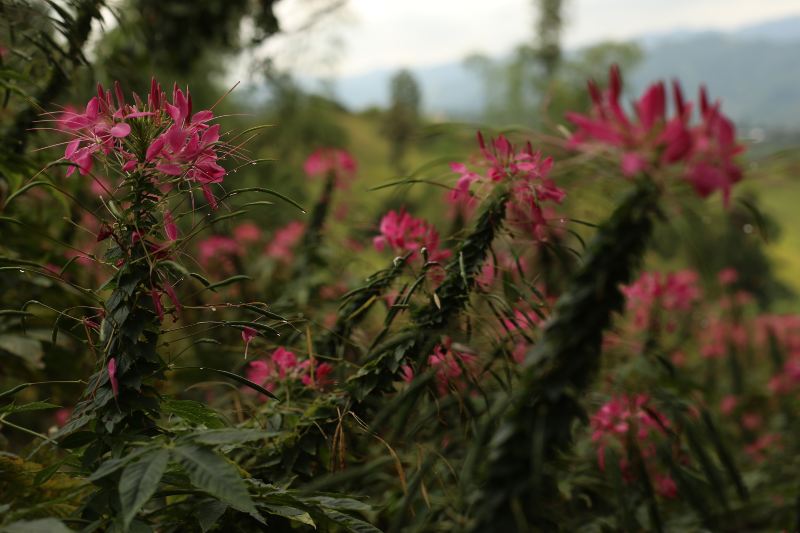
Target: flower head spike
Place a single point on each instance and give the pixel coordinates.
(112, 376)
(653, 140)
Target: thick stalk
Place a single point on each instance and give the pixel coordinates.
(538, 417)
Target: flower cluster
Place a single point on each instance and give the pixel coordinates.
(527, 173)
(452, 366)
(403, 233)
(332, 160)
(625, 419)
(653, 140)
(654, 292)
(159, 137)
(284, 240)
(284, 366)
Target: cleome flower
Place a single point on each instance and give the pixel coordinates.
(527, 173)
(653, 139)
(632, 417)
(159, 137)
(325, 160)
(403, 233)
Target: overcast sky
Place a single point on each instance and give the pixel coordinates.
(377, 34)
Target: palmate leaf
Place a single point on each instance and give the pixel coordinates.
(139, 482)
(290, 513)
(193, 412)
(43, 525)
(350, 523)
(229, 436)
(213, 474)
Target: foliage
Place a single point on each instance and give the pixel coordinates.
(197, 337)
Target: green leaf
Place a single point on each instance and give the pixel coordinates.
(112, 465)
(43, 525)
(33, 406)
(43, 475)
(209, 513)
(139, 482)
(228, 436)
(236, 377)
(290, 513)
(193, 412)
(341, 504)
(265, 191)
(350, 523)
(215, 475)
(228, 281)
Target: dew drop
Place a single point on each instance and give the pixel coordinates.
(747, 228)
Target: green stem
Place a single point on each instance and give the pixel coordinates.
(538, 417)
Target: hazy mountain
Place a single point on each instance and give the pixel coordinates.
(753, 69)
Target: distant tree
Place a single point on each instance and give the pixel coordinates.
(548, 34)
(402, 119)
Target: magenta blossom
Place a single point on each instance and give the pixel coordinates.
(326, 160)
(403, 233)
(112, 376)
(179, 144)
(284, 240)
(632, 417)
(246, 233)
(450, 365)
(653, 139)
(526, 173)
(653, 292)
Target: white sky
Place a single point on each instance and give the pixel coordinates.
(387, 34)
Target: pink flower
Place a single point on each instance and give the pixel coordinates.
(246, 233)
(448, 365)
(623, 414)
(184, 144)
(527, 173)
(652, 139)
(156, 297)
(169, 226)
(728, 276)
(315, 376)
(62, 416)
(259, 372)
(248, 334)
(285, 360)
(112, 376)
(172, 296)
(407, 373)
(284, 240)
(665, 486)
(403, 233)
(652, 292)
(728, 404)
(325, 160)
(218, 250)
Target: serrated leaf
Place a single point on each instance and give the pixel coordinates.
(290, 513)
(193, 412)
(33, 406)
(112, 465)
(210, 472)
(139, 482)
(209, 513)
(43, 525)
(350, 523)
(46, 473)
(228, 436)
